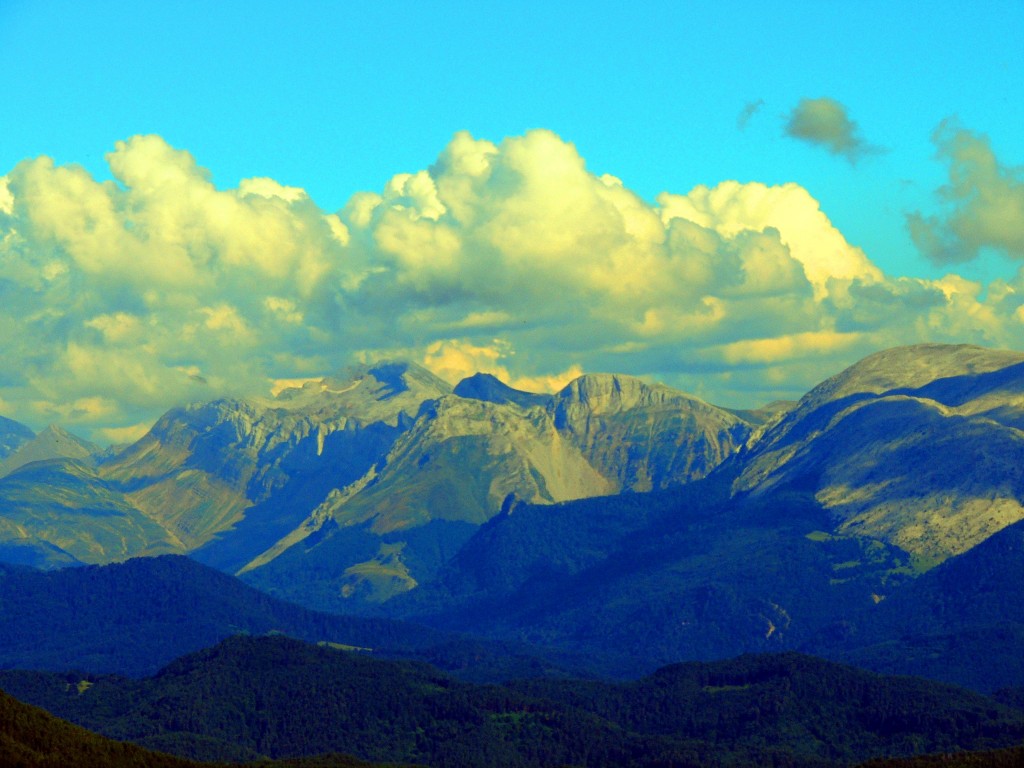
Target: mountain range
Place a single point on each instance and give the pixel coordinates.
(368, 469)
(876, 521)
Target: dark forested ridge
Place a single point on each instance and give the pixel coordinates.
(277, 697)
(996, 758)
(33, 738)
(961, 622)
(653, 579)
(132, 618)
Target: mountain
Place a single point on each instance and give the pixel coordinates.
(463, 458)
(920, 447)
(1011, 757)
(12, 436)
(277, 697)
(484, 386)
(33, 738)
(349, 490)
(57, 511)
(615, 518)
(756, 557)
(645, 436)
(646, 580)
(52, 443)
(444, 477)
(62, 511)
(229, 477)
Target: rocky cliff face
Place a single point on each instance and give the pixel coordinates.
(232, 476)
(464, 456)
(642, 436)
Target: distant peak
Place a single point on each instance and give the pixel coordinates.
(604, 386)
(489, 388)
(611, 392)
(399, 376)
(911, 367)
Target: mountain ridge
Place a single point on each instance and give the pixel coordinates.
(277, 697)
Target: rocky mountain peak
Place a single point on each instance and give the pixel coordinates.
(606, 392)
(610, 393)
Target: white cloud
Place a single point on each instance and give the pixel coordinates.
(731, 208)
(6, 198)
(781, 349)
(455, 359)
(123, 298)
(124, 435)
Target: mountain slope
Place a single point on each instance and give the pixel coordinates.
(12, 436)
(448, 474)
(484, 386)
(822, 524)
(918, 446)
(463, 458)
(132, 618)
(63, 503)
(961, 622)
(232, 477)
(32, 738)
(653, 579)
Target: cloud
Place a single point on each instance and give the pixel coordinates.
(788, 347)
(455, 359)
(119, 299)
(124, 435)
(985, 201)
(824, 122)
(749, 110)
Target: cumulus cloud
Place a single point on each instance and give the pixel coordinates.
(119, 299)
(825, 123)
(455, 359)
(984, 198)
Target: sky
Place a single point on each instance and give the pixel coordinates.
(737, 199)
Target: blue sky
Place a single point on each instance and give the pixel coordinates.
(338, 98)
